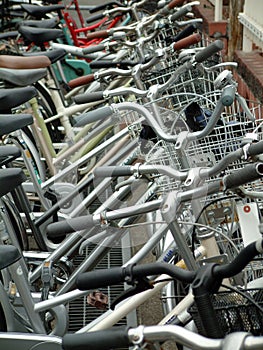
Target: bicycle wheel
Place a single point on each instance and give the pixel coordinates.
(48, 109)
(17, 223)
(3, 327)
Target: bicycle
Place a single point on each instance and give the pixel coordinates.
(81, 222)
(208, 317)
(40, 220)
(47, 158)
(139, 336)
(56, 300)
(43, 216)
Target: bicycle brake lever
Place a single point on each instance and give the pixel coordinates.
(140, 285)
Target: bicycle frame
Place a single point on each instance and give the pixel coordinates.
(77, 34)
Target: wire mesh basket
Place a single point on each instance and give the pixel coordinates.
(233, 130)
(230, 133)
(235, 312)
(196, 80)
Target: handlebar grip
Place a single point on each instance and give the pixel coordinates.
(228, 96)
(111, 64)
(188, 41)
(93, 116)
(81, 81)
(175, 3)
(70, 225)
(207, 52)
(93, 48)
(100, 278)
(180, 13)
(95, 18)
(167, 8)
(185, 32)
(242, 176)
(102, 64)
(245, 256)
(255, 148)
(115, 275)
(98, 34)
(89, 97)
(111, 171)
(113, 338)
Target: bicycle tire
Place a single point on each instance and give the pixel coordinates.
(48, 109)
(17, 223)
(3, 326)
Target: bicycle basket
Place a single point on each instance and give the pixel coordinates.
(236, 312)
(193, 81)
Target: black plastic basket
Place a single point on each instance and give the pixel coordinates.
(235, 312)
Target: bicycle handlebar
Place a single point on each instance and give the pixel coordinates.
(187, 41)
(93, 116)
(247, 174)
(190, 29)
(198, 58)
(163, 12)
(141, 169)
(180, 13)
(255, 149)
(102, 63)
(98, 34)
(115, 338)
(106, 277)
(105, 5)
(90, 97)
(178, 45)
(80, 81)
(167, 8)
(93, 48)
(175, 3)
(95, 18)
(241, 176)
(227, 97)
(125, 337)
(208, 51)
(119, 8)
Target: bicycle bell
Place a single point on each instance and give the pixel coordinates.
(223, 79)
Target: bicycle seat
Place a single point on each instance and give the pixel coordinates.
(11, 98)
(40, 11)
(13, 122)
(8, 154)
(19, 62)
(39, 35)
(8, 255)
(48, 23)
(22, 77)
(53, 55)
(10, 179)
